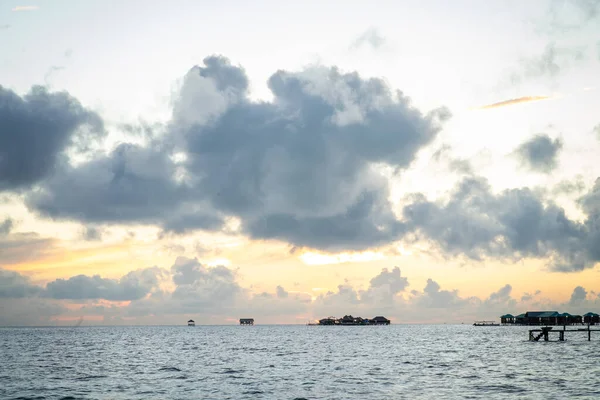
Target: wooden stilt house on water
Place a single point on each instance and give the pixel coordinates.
(549, 318)
(507, 319)
(591, 318)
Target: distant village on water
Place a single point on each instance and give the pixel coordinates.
(527, 318)
(550, 318)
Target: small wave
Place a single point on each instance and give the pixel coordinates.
(231, 371)
(169, 369)
(90, 377)
(30, 398)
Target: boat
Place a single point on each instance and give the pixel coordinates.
(485, 323)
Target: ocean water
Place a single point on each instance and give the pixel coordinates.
(295, 362)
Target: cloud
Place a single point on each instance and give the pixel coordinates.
(25, 8)
(5, 26)
(17, 248)
(6, 226)
(512, 224)
(576, 185)
(92, 234)
(214, 295)
(572, 15)
(390, 279)
(512, 102)
(578, 296)
(299, 168)
(540, 153)
(133, 286)
(15, 285)
(37, 129)
(548, 64)
(371, 37)
(597, 131)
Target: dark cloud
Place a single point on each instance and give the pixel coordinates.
(512, 224)
(297, 169)
(540, 153)
(36, 130)
(15, 285)
(132, 286)
(371, 37)
(6, 226)
(132, 184)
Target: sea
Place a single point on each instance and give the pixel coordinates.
(295, 362)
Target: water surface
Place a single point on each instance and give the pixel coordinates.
(294, 362)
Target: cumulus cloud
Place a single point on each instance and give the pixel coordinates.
(15, 285)
(133, 286)
(511, 224)
(36, 131)
(214, 295)
(540, 153)
(299, 168)
(578, 296)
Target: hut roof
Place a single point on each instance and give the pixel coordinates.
(565, 314)
(520, 316)
(590, 314)
(380, 318)
(191, 320)
(542, 314)
(507, 316)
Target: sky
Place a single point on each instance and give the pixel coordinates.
(430, 161)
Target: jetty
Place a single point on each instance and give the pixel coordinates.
(536, 334)
(246, 321)
(349, 320)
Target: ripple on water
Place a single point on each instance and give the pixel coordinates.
(399, 361)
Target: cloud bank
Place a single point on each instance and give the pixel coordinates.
(214, 295)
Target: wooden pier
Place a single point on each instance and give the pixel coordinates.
(536, 334)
